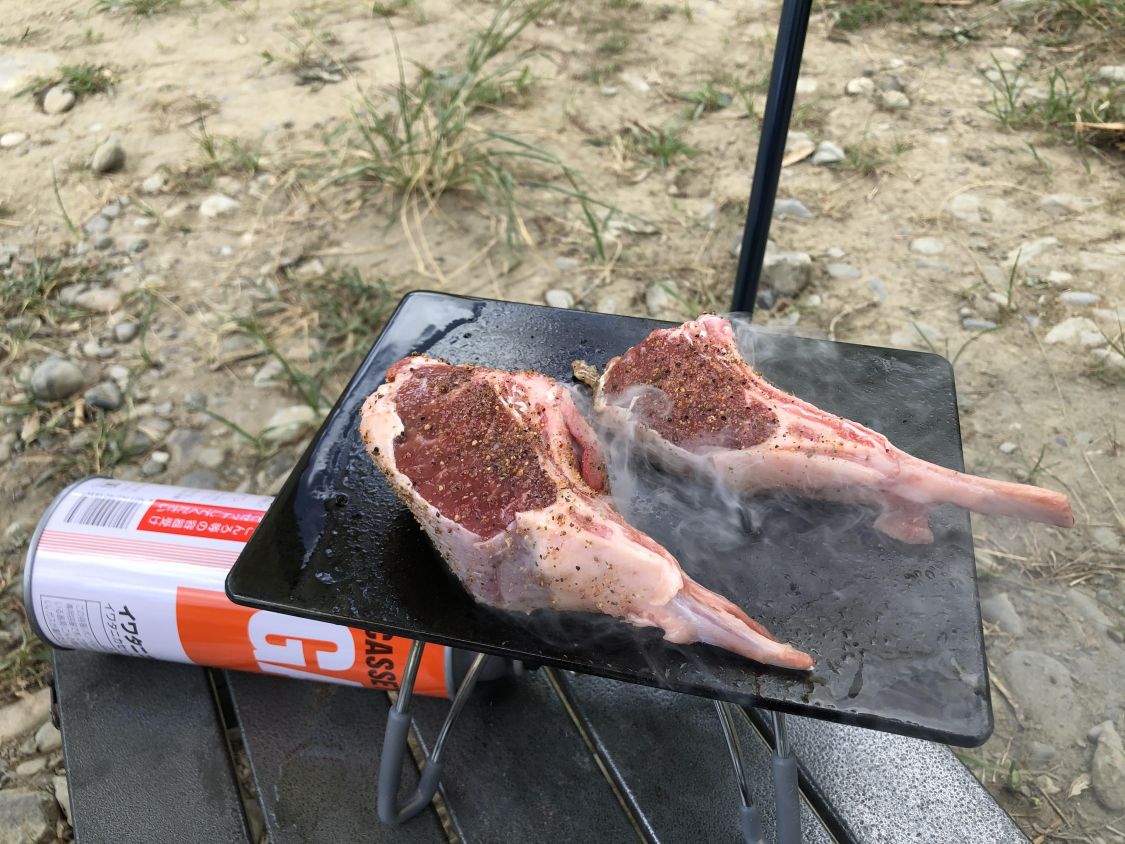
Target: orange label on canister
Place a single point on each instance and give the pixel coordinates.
(214, 631)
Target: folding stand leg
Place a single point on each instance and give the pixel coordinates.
(771, 149)
(394, 742)
(749, 822)
(786, 799)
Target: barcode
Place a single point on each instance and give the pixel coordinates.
(102, 511)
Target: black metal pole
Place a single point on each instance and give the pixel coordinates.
(771, 150)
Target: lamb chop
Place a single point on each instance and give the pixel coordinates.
(697, 406)
(507, 479)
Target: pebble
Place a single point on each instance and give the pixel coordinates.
(58, 100)
(48, 738)
(998, 610)
(1076, 331)
(1008, 447)
(1028, 251)
(835, 252)
(113, 211)
(289, 424)
(1076, 297)
(56, 379)
(1043, 687)
(842, 271)
(997, 298)
(183, 443)
(861, 86)
(12, 139)
(135, 245)
(974, 324)
(1112, 362)
(607, 304)
(109, 157)
(124, 332)
(910, 336)
(894, 100)
(30, 767)
(98, 224)
(875, 284)
(765, 299)
(269, 374)
(789, 207)
(62, 795)
(1107, 770)
(1089, 609)
(974, 208)
(217, 205)
(787, 273)
(25, 714)
(927, 246)
(1112, 73)
(1064, 203)
(201, 479)
(153, 184)
(161, 457)
(152, 467)
(557, 297)
(106, 395)
(661, 299)
(828, 153)
(120, 374)
(1039, 753)
(101, 299)
(609, 91)
(211, 457)
(565, 265)
(1059, 278)
(103, 242)
(807, 85)
(23, 816)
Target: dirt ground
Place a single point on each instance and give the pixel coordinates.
(238, 261)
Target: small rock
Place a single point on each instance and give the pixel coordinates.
(103, 242)
(1039, 754)
(1075, 297)
(861, 86)
(58, 99)
(1107, 770)
(914, 335)
(609, 91)
(145, 224)
(875, 284)
(1027, 252)
(787, 273)
(62, 795)
(842, 271)
(289, 424)
(201, 479)
(1112, 73)
(12, 139)
(162, 457)
(998, 610)
(113, 210)
(1110, 361)
(120, 374)
(973, 324)
(101, 299)
(151, 467)
(106, 395)
(183, 444)
(1089, 609)
(565, 265)
(1065, 203)
(1043, 687)
(270, 374)
(124, 332)
(835, 252)
(661, 301)
(31, 767)
(48, 738)
(894, 100)
(211, 457)
(806, 85)
(98, 224)
(109, 157)
(56, 379)
(1076, 331)
(217, 205)
(557, 297)
(153, 184)
(789, 207)
(24, 817)
(135, 245)
(828, 153)
(1059, 278)
(607, 303)
(997, 298)
(25, 714)
(927, 246)
(1008, 447)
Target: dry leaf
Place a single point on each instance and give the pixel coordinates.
(799, 154)
(1080, 784)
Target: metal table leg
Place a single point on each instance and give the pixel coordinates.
(786, 798)
(395, 742)
(771, 149)
(749, 821)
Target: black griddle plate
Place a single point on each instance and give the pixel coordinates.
(895, 629)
